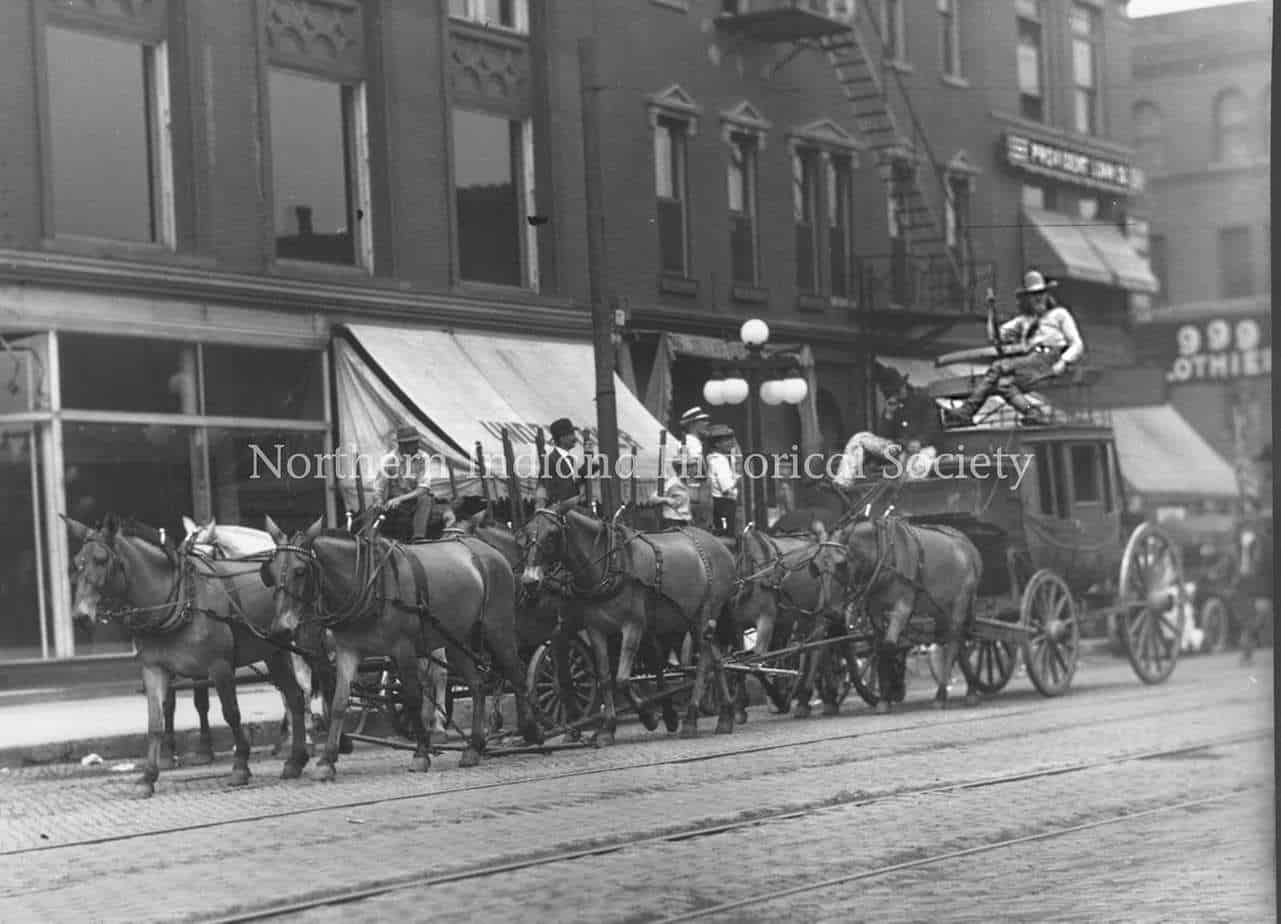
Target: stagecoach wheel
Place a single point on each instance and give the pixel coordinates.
(988, 664)
(1053, 641)
(543, 685)
(1151, 603)
(863, 675)
(834, 680)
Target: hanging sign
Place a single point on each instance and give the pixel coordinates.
(1215, 349)
(1062, 163)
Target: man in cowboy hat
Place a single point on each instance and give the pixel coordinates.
(562, 475)
(1047, 332)
(406, 487)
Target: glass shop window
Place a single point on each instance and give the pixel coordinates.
(248, 382)
(128, 374)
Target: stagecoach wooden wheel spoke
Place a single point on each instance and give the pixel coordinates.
(1050, 650)
(1151, 597)
(988, 664)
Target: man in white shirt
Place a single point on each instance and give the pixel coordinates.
(694, 424)
(406, 483)
(723, 480)
(1048, 332)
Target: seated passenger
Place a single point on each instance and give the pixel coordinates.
(903, 440)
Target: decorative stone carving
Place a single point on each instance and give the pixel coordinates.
(744, 119)
(316, 32)
(827, 136)
(495, 70)
(675, 103)
(150, 13)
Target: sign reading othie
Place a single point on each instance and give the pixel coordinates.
(1220, 349)
(1054, 160)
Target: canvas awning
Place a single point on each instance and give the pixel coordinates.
(461, 389)
(1057, 245)
(1162, 455)
(1131, 272)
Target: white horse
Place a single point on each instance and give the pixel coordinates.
(227, 541)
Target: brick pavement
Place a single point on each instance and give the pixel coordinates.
(331, 843)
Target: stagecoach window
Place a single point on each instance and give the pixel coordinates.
(1044, 481)
(1085, 474)
(1109, 471)
(247, 382)
(312, 150)
(128, 374)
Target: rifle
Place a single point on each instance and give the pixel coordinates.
(516, 513)
(993, 330)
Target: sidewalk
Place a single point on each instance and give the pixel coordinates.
(59, 726)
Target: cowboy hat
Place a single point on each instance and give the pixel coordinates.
(1034, 283)
(694, 415)
(561, 427)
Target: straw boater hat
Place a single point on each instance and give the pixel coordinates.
(1034, 284)
(694, 415)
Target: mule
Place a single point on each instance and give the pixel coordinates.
(669, 584)
(225, 541)
(898, 570)
(189, 617)
(381, 598)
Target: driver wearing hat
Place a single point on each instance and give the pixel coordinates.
(1048, 332)
(562, 475)
(406, 486)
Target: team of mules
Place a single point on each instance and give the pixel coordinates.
(196, 615)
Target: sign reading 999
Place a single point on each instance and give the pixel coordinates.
(1219, 348)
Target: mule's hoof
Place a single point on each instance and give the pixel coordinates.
(689, 730)
(239, 777)
(292, 769)
(882, 708)
(802, 711)
(672, 721)
(420, 765)
(831, 709)
(143, 789)
(323, 773)
(470, 758)
(648, 719)
(971, 699)
(740, 716)
(725, 726)
(345, 744)
(603, 739)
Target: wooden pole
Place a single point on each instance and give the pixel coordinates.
(540, 447)
(484, 480)
(662, 461)
(513, 481)
(602, 317)
(453, 485)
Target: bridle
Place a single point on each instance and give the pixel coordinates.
(171, 614)
(364, 599)
(606, 585)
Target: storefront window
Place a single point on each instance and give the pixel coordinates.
(133, 470)
(20, 615)
(128, 374)
(254, 474)
(247, 382)
(23, 385)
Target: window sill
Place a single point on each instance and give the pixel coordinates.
(677, 285)
(497, 290)
(485, 30)
(310, 269)
(954, 80)
(677, 6)
(813, 302)
(107, 249)
(748, 294)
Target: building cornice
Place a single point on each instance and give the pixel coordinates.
(389, 301)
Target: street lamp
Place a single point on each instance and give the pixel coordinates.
(793, 389)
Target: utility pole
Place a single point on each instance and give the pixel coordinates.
(602, 316)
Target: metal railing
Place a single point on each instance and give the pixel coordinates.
(921, 282)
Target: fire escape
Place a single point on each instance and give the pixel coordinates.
(931, 273)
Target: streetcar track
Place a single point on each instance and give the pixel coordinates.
(1164, 711)
(765, 897)
(349, 895)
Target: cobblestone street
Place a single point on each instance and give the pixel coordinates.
(886, 818)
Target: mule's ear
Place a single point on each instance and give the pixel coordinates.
(314, 529)
(277, 534)
(189, 525)
(77, 529)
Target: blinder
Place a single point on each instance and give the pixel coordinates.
(265, 573)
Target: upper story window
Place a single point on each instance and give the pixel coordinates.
(804, 202)
(1236, 263)
(492, 166)
(957, 207)
(840, 224)
(1031, 66)
(949, 38)
(319, 177)
(509, 14)
(670, 190)
(1085, 68)
(1231, 128)
(742, 209)
(110, 162)
(1149, 137)
(893, 32)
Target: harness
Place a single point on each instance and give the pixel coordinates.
(772, 576)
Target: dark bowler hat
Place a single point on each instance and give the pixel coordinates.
(562, 427)
(407, 435)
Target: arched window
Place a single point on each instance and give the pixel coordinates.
(1231, 127)
(1149, 138)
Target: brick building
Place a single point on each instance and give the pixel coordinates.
(296, 222)
(1202, 122)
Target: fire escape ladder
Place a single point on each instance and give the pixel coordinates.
(908, 167)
